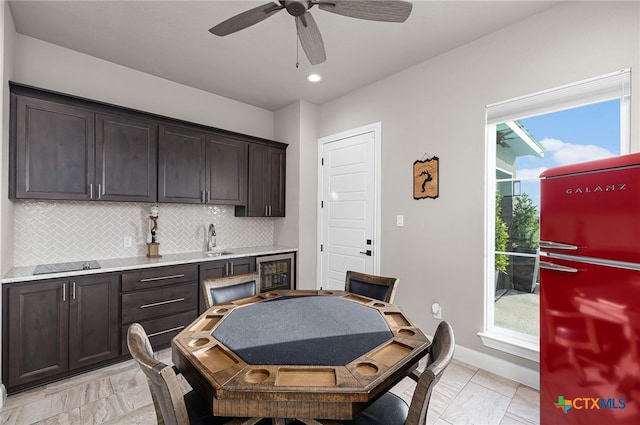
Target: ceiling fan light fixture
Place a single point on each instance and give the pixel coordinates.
(307, 29)
(314, 78)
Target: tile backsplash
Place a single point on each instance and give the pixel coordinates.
(62, 231)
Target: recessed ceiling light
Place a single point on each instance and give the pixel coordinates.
(314, 78)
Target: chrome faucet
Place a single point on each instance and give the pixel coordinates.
(211, 238)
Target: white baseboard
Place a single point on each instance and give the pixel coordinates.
(521, 374)
(3, 395)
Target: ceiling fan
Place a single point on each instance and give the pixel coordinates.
(308, 31)
(502, 138)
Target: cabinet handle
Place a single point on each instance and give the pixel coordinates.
(153, 279)
(202, 196)
(557, 245)
(73, 290)
(166, 331)
(270, 211)
(226, 269)
(64, 292)
(557, 267)
(266, 211)
(208, 197)
(177, 300)
(231, 269)
(90, 190)
(99, 190)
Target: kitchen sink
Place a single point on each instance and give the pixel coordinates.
(217, 253)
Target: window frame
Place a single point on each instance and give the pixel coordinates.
(611, 86)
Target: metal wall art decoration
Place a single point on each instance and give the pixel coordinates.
(425, 178)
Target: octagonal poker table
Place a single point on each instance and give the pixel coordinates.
(297, 354)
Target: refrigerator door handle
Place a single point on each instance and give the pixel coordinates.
(558, 245)
(557, 267)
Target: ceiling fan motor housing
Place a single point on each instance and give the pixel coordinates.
(297, 8)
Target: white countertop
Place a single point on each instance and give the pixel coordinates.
(24, 274)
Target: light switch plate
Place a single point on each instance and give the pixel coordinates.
(399, 220)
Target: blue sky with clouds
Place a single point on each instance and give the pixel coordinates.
(571, 136)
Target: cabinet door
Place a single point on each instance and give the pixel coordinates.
(258, 197)
(276, 181)
(266, 182)
(37, 331)
(226, 171)
(54, 150)
(242, 265)
(93, 320)
(181, 166)
(126, 159)
(213, 270)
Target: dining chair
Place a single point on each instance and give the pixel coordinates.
(171, 406)
(389, 409)
(372, 286)
(222, 290)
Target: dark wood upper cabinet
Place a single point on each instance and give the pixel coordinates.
(54, 150)
(266, 196)
(181, 165)
(70, 148)
(196, 167)
(126, 159)
(226, 171)
(65, 151)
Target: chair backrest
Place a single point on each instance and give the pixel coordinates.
(166, 393)
(440, 355)
(218, 291)
(377, 287)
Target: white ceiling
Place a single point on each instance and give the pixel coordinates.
(170, 39)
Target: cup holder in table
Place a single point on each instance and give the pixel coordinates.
(270, 294)
(379, 305)
(221, 310)
(367, 369)
(199, 342)
(256, 376)
(406, 332)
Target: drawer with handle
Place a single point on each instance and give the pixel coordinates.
(161, 331)
(142, 305)
(158, 276)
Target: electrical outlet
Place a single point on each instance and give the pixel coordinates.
(128, 242)
(436, 310)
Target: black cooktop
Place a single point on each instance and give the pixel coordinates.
(66, 267)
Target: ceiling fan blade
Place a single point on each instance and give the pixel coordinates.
(373, 10)
(311, 39)
(246, 19)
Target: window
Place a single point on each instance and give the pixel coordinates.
(575, 123)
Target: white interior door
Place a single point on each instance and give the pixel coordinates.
(348, 227)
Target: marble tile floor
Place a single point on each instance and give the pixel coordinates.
(119, 395)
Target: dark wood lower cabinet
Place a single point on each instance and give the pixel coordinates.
(93, 320)
(38, 332)
(162, 299)
(56, 326)
(224, 268)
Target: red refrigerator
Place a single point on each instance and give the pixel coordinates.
(590, 293)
